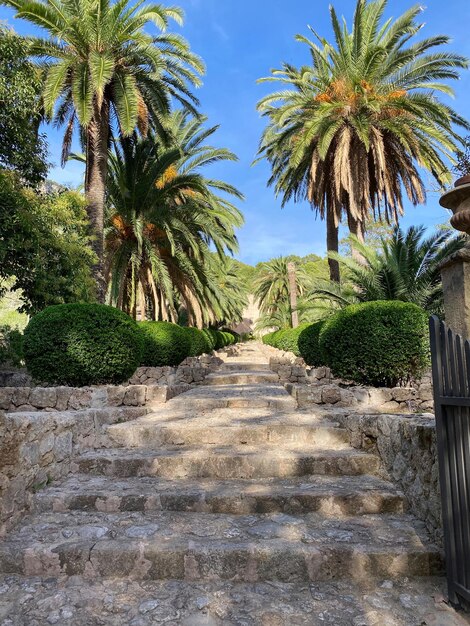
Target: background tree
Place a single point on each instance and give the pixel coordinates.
(104, 73)
(44, 255)
(271, 287)
(350, 131)
(164, 216)
(22, 147)
(405, 267)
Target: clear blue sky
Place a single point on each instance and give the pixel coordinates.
(240, 41)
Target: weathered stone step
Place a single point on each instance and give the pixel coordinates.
(151, 433)
(239, 365)
(241, 378)
(78, 601)
(228, 462)
(329, 495)
(266, 395)
(199, 546)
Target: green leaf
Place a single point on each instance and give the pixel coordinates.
(101, 71)
(126, 100)
(82, 94)
(54, 85)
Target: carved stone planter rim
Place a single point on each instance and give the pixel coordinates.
(453, 199)
(457, 257)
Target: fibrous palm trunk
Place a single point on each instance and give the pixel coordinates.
(356, 227)
(95, 188)
(332, 244)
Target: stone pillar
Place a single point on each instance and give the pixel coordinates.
(455, 270)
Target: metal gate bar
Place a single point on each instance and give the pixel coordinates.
(451, 370)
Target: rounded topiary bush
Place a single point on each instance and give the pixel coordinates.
(199, 342)
(164, 344)
(308, 343)
(82, 344)
(381, 343)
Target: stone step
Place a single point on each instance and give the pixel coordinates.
(267, 395)
(340, 497)
(228, 462)
(200, 546)
(153, 432)
(78, 601)
(244, 366)
(241, 378)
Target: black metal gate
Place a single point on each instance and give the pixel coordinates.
(451, 380)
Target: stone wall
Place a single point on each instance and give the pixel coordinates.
(37, 448)
(407, 447)
(148, 386)
(27, 399)
(312, 386)
(192, 370)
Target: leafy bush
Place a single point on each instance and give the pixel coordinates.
(199, 342)
(309, 344)
(11, 346)
(82, 344)
(286, 339)
(164, 344)
(378, 343)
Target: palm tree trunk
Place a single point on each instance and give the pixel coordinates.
(332, 244)
(356, 227)
(95, 188)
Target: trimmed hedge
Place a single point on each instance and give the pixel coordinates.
(164, 344)
(309, 344)
(82, 344)
(199, 342)
(302, 341)
(380, 343)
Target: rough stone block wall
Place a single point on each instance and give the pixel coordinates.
(316, 385)
(407, 447)
(37, 448)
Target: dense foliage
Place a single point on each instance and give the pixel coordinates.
(164, 216)
(164, 344)
(380, 343)
(405, 266)
(309, 344)
(11, 346)
(43, 245)
(199, 341)
(106, 75)
(82, 344)
(350, 131)
(22, 147)
(302, 341)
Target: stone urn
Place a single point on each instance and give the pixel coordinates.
(458, 201)
(455, 269)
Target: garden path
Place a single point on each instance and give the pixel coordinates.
(226, 506)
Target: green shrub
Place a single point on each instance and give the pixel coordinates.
(164, 344)
(82, 344)
(199, 342)
(378, 343)
(308, 343)
(11, 346)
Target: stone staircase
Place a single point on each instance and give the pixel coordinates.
(227, 506)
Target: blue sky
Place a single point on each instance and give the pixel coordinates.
(240, 41)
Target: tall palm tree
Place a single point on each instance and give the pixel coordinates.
(271, 286)
(405, 267)
(351, 130)
(163, 218)
(229, 289)
(103, 71)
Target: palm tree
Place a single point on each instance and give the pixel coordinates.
(351, 130)
(229, 289)
(163, 218)
(406, 268)
(104, 72)
(271, 287)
